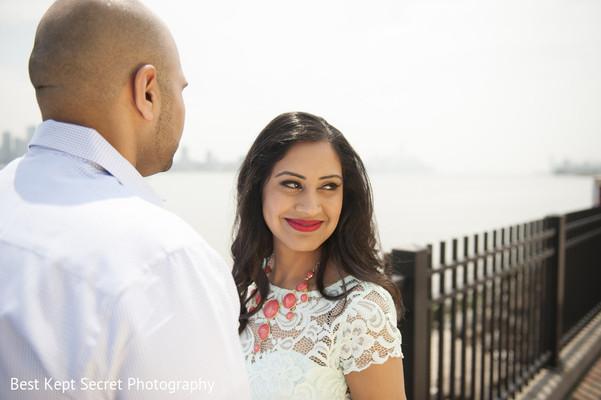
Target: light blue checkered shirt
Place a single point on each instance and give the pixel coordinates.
(103, 293)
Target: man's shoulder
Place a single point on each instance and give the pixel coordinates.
(128, 224)
(136, 214)
(93, 224)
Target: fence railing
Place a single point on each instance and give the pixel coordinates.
(486, 313)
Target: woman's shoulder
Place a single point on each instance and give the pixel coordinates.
(366, 332)
(365, 289)
(363, 296)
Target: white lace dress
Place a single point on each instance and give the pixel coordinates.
(308, 356)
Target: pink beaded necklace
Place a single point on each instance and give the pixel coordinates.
(271, 308)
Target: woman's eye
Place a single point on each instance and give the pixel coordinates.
(331, 186)
(291, 184)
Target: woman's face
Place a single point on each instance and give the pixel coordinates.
(302, 198)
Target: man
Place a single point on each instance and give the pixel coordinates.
(104, 294)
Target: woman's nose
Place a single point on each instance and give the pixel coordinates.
(308, 203)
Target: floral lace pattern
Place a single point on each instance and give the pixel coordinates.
(308, 356)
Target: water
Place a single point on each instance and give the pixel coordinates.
(412, 209)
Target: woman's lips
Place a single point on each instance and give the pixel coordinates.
(304, 225)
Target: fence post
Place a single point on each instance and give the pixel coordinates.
(416, 329)
(557, 285)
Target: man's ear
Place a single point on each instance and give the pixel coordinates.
(146, 91)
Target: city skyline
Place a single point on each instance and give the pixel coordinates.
(13, 146)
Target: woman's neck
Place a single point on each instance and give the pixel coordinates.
(290, 267)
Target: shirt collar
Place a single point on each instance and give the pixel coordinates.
(88, 144)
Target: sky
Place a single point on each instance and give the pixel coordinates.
(449, 85)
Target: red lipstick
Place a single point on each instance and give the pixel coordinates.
(304, 225)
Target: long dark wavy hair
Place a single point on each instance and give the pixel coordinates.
(353, 247)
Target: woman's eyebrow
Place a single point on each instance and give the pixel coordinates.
(290, 173)
(331, 176)
(302, 177)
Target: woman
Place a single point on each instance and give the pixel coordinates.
(318, 319)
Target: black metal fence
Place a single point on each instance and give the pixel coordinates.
(486, 313)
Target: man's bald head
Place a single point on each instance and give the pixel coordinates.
(86, 51)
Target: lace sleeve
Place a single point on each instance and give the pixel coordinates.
(368, 333)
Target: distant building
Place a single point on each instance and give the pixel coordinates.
(572, 168)
(12, 148)
(6, 150)
(211, 163)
